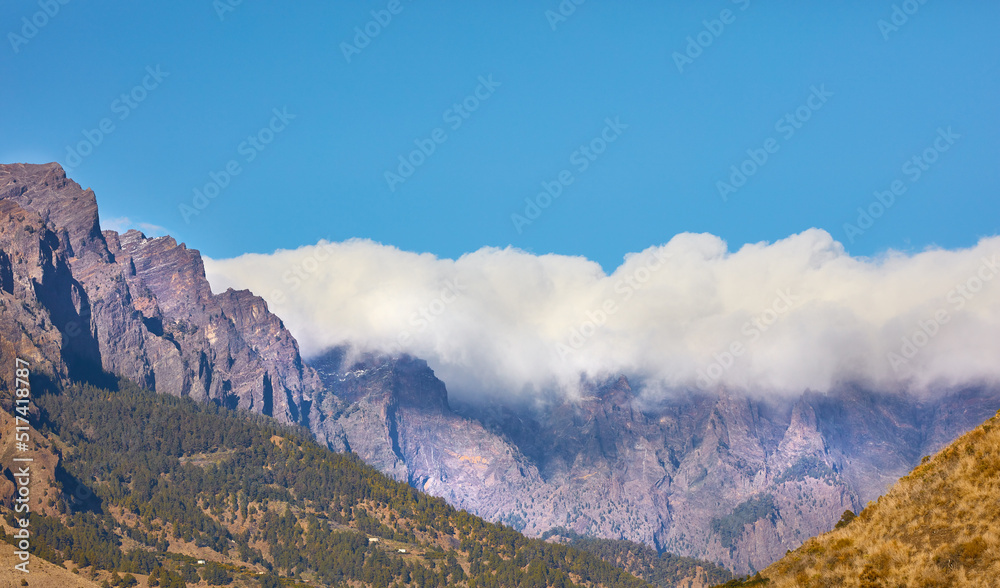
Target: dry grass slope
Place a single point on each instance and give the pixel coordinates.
(935, 527)
(43, 574)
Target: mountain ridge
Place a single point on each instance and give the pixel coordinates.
(723, 476)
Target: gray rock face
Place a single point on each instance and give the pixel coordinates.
(136, 307)
(37, 291)
(394, 414)
(722, 477)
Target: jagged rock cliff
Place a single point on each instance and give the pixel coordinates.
(394, 413)
(88, 301)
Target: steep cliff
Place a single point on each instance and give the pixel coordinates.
(394, 413)
(135, 307)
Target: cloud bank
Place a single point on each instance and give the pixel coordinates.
(775, 318)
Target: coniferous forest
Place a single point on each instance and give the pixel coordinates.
(150, 485)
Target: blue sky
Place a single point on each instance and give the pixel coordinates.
(888, 95)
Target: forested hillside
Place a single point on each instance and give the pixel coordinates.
(148, 485)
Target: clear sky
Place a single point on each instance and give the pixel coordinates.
(869, 98)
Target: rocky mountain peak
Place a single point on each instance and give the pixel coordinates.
(137, 307)
(616, 391)
(61, 202)
(802, 437)
(371, 376)
(174, 274)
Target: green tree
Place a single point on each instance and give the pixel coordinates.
(190, 574)
(845, 519)
(216, 575)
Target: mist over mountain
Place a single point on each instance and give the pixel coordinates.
(772, 319)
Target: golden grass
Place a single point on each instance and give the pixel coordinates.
(938, 526)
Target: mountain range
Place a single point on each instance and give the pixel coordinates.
(723, 477)
(727, 476)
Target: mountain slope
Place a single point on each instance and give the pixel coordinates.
(935, 527)
(394, 413)
(44, 574)
(147, 484)
(727, 478)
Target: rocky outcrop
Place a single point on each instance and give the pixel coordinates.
(726, 477)
(394, 413)
(136, 307)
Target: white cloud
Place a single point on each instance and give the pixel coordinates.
(774, 318)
